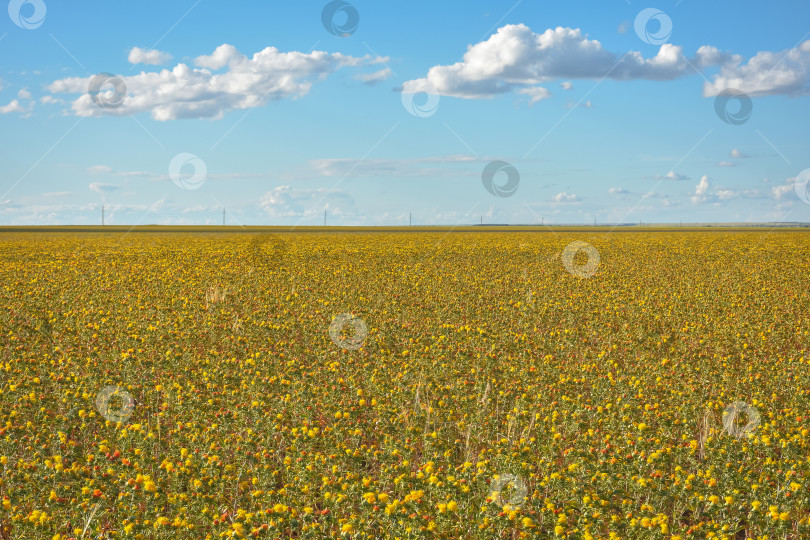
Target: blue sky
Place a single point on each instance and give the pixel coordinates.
(166, 112)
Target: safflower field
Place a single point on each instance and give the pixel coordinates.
(405, 385)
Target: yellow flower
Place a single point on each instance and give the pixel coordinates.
(347, 528)
(452, 506)
(558, 530)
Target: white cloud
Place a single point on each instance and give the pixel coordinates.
(151, 56)
(99, 187)
(701, 190)
(708, 55)
(24, 94)
(535, 93)
(781, 190)
(186, 92)
(433, 166)
(571, 104)
(737, 154)
(725, 164)
(285, 201)
(374, 78)
(567, 85)
(13, 106)
(58, 194)
(565, 198)
(99, 169)
(617, 191)
(703, 185)
(766, 73)
(50, 99)
(671, 175)
(515, 58)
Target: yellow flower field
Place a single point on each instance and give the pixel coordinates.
(405, 385)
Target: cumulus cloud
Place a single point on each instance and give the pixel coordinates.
(12, 107)
(286, 201)
(766, 73)
(151, 56)
(24, 94)
(445, 166)
(535, 93)
(671, 175)
(99, 187)
(223, 81)
(515, 58)
(99, 169)
(708, 56)
(374, 78)
(565, 198)
(701, 190)
(567, 85)
(617, 191)
(571, 105)
(782, 190)
(737, 154)
(725, 164)
(703, 185)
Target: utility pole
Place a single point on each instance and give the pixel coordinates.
(324, 218)
(102, 215)
(410, 222)
(223, 216)
(541, 221)
(482, 220)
